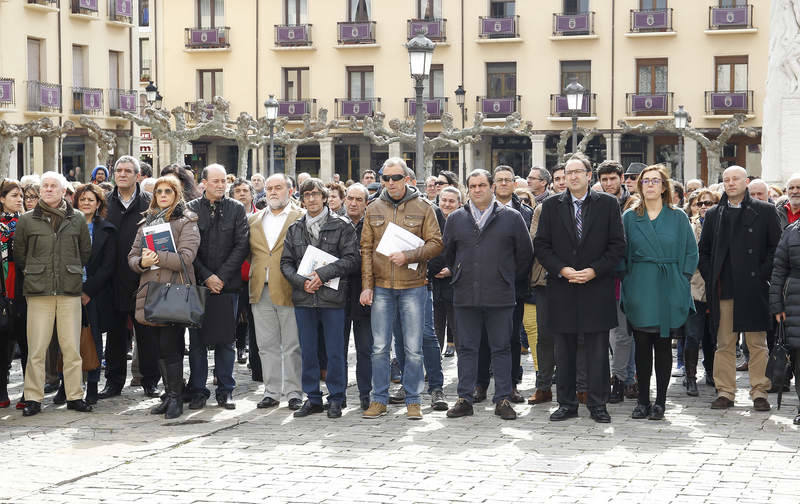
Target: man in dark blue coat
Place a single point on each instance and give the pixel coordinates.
(487, 246)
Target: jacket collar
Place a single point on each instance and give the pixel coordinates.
(37, 212)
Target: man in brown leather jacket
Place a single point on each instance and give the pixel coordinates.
(398, 281)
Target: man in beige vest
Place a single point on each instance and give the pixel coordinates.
(271, 297)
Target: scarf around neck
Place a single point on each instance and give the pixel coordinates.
(314, 224)
(54, 215)
(482, 217)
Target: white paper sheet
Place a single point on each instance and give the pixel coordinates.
(397, 239)
(314, 259)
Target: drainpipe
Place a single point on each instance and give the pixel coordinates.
(613, 41)
(59, 168)
(258, 106)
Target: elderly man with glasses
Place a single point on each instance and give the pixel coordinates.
(538, 183)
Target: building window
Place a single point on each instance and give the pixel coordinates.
(580, 70)
(576, 6)
(210, 84)
(210, 13)
(296, 12)
(295, 84)
(79, 70)
(145, 60)
(652, 4)
(502, 8)
(144, 12)
(651, 76)
(732, 3)
(429, 9)
(115, 66)
(35, 60)
(434, 84)
(731, 74)
(359, 11)
(360, 83)
(501, 80)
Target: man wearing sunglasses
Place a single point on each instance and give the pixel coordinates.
(394, 288)
(631, 174)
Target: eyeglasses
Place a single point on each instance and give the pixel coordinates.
(166, 191)
(439, 182)
(705, 203)
(31, 198)
(504, 180)
(570, 173)
(535, 178)
(527, 201)
(630, 177)
(312, 195)
(397, 178)
(651, 181)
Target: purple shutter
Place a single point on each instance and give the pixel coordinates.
(6, 91)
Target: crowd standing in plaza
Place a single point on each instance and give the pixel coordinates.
(596, 281)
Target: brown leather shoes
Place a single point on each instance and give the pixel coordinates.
(721, 403)
(761, 404)
(583, 397)
(541, 396)
(516, 397)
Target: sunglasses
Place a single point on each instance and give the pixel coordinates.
(525, 200)
(439, 182)
(630, 177)
(396, 178)
(705, 203)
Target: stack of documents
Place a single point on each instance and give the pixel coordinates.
(397, 239)
(314, 259)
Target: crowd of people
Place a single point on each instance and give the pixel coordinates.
(595, 282)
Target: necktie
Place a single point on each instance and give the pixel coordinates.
(578, 219)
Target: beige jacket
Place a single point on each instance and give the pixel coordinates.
(263, 258)
(697, 283)
(538, 273)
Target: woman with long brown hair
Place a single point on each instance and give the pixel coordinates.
(11, 198)
(167, 206)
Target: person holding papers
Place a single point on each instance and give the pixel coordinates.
(319, 253)
(393, 280)
(166, 207)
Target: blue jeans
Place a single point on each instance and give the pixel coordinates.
(387, 304)
(308, 323)
(431, 351)
(224, 355)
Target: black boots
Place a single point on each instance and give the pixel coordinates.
(161, 408)
(617, 391)
(690, 356)
(172, 405)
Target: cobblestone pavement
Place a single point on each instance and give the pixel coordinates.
(119, 453)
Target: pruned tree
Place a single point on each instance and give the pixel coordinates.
(10, 134)
(106, 140)
(588, 135)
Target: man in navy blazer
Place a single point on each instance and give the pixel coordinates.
(486, 247)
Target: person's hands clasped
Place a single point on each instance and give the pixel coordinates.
(780, 317)
(578, 276)
(149, 258)
(313, 284)
(214, 284)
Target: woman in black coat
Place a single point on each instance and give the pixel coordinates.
(784, 295)
(97, 296)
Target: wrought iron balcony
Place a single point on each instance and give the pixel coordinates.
(656, 20)
(730, 18)
(120, 11)
(47, 3)
(498, 107)
(296, 109)
(85, 7)
(87, 100)
(293, 35)
(7, 97)
(44, 97)
(345, 107)
(434, 106)
(737, 102)
(207, 38)
(122, 100)
(144, 71)
(644, 104)
(498, 27)
(359, 32)
(566, 25)
(434, 29)
(559, 106)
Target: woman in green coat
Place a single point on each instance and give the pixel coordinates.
(660, 259)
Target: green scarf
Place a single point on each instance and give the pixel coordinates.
(54, 215)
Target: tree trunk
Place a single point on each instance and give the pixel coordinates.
(290, 160)
(244, 150)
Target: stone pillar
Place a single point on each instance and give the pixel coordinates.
(651, 151)
(122, 146)
(7, 153)
(91, 151)
(14, 171)
(689, 158)
(49, 154)
(396, 149)
(365, 157)
(326, 159)
(538, 157)
(616, 143)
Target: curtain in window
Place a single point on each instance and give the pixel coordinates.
(430, 9)
(360, 10)
(219, 13)
(204, 6)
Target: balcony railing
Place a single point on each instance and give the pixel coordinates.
(145, 74)
(728, 18)
(7, 98)
(85, 7)
(198, 111)
(293, 35)
(657, 20)
(498, 107)
(434, 106)
(559, 106)
(87, 100)
(434, 29)
(644, 104)
(120, 11)
(122, 100)
(359, 109)
(737, 102)
(207, 38)
(48, 3)
(296, 109)
(44, 97)
(494, 28)
(356, 32)
(565, 25)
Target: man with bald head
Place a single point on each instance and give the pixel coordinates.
(737, 246)
(790, 211)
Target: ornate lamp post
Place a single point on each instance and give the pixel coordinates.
(681, 121)
(272, 113)
(154, 98)
(574, 92)
(460, 95)
(420, 54)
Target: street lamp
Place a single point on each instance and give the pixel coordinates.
(574, 92)
(420, 54)
(460, 95)
(681, 121)
(159, 100)
(272, 113)
(154, 98)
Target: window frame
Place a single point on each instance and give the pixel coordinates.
(652, 63)
(212, 6)
(421, 14)
(731, 61)
(651, 5)
(363, 71)
(564, 80)
(285, 84)
(213, 72)
(488, 79)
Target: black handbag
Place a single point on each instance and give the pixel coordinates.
(778, 363)
(181, 304)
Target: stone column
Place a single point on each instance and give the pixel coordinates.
(7, 153)
(365, 156)
(651, 150)
(616, 142)
(326, 159)
(689, 158)
(396, 149)
(14, 170)
(122, 146)
(50, 154)
(91, 151)
(538, 157)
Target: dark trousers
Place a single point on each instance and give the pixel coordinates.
(443, 320)
(244, 326)
(93, 376)
(362, 336)
(255, 361)
(117, 349)
(545, 346)
(648, 345)
(484, 354)
(597, 368)
(331, 320)
(170, 341)
(498, 324)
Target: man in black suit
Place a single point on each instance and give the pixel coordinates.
(580, 241)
